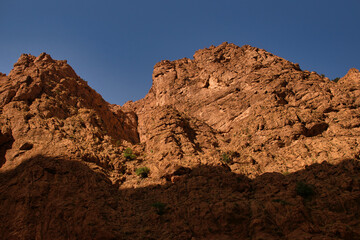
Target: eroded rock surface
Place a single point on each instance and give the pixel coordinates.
(46, 105)
(238, 144)
(257, 105)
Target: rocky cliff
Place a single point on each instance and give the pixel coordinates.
(235, 143)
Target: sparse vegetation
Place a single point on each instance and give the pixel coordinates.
(226, 158)
(286, 173)
(142, 172)
(128, 154)
(160, 207)
(336, 79)
(304, 190)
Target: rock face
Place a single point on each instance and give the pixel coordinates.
(266, 110)
(237, 143)
(46, 105)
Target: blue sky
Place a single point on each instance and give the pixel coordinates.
(114, 44)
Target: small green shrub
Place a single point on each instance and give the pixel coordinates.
(128, 154)
(286, 173)
(226, 158)
(142, 172)
(160, 207)
(304, 190)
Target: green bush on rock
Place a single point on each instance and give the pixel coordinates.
(142, 172)
(128, 154)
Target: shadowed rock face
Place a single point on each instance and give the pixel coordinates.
(212, 130)
(57, 198)
(6, 141)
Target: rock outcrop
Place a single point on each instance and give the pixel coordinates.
(235, 143)
(266, 110)
(46, 105)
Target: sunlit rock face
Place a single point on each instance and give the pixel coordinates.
(238, 144)
(262, 107)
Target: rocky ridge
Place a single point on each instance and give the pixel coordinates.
(230, 138)
(266, 111)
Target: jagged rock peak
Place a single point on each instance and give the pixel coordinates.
(352, 76)
(44, 57)
(353, 71)
(28, 64)
(41, 91)
(223, 67)
(25, 59)
(230, 53)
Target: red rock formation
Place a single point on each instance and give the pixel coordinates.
(352, 77)
(45, 104)
(241, 144)
(273, 115)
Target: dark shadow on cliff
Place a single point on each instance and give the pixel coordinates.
(56, 198)
(6, 141)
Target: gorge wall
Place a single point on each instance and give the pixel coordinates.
(231, 138)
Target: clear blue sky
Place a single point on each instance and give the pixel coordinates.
(114, 44)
